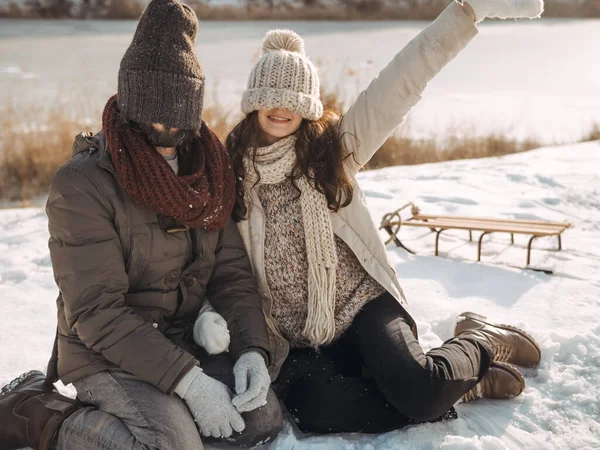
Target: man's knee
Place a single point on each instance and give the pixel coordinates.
(182, 434)
(91, 428)
(262, 424)
(134, 413)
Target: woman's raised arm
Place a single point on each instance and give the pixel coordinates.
(382, 106)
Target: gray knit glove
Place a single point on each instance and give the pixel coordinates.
(506, 9)
(252, 382)
(209, 401)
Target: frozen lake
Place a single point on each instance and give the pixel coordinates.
(533, 78)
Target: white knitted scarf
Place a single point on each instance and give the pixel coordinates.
(273, 164)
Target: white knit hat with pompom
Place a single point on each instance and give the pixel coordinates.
(284, 77)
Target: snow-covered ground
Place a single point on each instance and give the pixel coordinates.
(525, 79)
(560, 409)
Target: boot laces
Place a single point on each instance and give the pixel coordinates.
(502, 353)
(473, 394)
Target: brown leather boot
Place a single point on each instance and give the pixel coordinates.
(31, 412)
(510, 344)
(500, 381)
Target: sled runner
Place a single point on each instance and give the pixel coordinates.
(392, 223)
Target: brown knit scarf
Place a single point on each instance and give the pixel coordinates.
(202, 198)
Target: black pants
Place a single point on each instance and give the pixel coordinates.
(376, 378)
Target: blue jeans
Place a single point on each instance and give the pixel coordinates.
(125, 413)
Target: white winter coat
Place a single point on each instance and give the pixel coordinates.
(379, 109)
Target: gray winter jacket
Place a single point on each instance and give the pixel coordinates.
(129, 290)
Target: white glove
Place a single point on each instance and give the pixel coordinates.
(211, 333)
(506, 9)
(209, 401)
(252, 382)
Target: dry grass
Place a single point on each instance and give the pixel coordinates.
(247, 10)
(277, 10)
(68, 9)
(580, 9)
(30, 154)
(368, 10)
(365, 10)
(219, 120)
(402, 150)
(399, 150)
(123, 9)
(34, 143)
(358, 10)
(594, 134)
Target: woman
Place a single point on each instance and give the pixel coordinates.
(329, 291)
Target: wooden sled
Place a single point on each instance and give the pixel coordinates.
(392, 222)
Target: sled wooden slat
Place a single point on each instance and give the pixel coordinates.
(563, 225)
(488, 228)
(392, 223)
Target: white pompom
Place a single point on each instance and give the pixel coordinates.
(283, 40)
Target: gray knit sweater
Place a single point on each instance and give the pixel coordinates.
(286, 267)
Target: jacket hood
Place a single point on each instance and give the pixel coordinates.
(87, 141)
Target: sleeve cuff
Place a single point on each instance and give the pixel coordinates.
(186, 381)
(258, 350)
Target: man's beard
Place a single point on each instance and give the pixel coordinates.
(168, 138)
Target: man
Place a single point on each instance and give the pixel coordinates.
(140, 239)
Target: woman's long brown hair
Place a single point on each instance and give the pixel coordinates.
(319, 157)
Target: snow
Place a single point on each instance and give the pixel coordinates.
(525, 79)
(560, 407)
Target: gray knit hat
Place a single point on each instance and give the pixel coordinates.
(160, 78)
(283, 77)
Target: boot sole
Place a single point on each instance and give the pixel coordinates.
(14, 384)
(483, 319)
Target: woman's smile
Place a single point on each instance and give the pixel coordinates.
(279, 119)
(278, 123)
